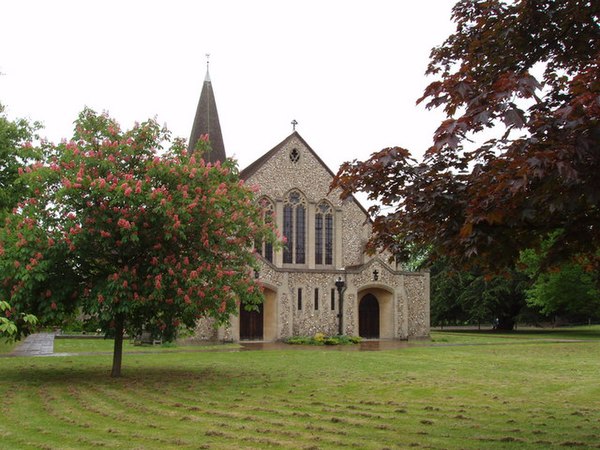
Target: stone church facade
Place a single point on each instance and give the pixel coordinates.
(321, 281)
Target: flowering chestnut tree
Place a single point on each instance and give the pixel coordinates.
(138, 235)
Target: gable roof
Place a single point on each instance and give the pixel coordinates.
(257, 164)
(206, 121)
(253, 167)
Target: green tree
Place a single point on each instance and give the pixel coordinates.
(518, 154)
(14, 153)
(137, 235)
(446, 287)
(459, 297)
(9, 326)
(569, 290)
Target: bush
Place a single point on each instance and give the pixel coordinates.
(300, 340)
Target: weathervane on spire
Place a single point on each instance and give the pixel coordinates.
(207, 59)
(294, 123)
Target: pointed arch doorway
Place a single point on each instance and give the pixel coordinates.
(251, 324)
(368, 317)
(259, 325)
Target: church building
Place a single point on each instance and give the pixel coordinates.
(321, 281)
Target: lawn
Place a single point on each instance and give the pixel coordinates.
(89, 345)
(6, 346)
(510, 393)
(524, 334)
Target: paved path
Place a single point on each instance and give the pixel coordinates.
(38, 344)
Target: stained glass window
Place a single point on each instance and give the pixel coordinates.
(294, 228)
(324, 234)
(268, 210)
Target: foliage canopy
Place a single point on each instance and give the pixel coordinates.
(140, 236)
(517, 157)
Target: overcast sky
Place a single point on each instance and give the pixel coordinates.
(348, 71)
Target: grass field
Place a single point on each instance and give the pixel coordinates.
(6, 346)
(106, 345)
(512, 392)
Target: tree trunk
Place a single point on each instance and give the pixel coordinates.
(505, 323)
(118, 348)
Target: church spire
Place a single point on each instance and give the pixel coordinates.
(207, 122)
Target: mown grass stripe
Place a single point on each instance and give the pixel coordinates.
(455, 397)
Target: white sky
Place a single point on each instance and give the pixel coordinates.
(348, 71)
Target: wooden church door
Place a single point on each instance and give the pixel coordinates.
(368, 317)
(251, 324)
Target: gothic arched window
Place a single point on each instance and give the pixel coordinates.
(324, 234)
(294, 228)
(268, 212)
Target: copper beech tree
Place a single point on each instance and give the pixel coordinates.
(139, 236)
(518, 155)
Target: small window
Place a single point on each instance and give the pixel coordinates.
(332, 299)
(316, 299)
(294, 155)
(299, 299)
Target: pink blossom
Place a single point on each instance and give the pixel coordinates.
(124, 224)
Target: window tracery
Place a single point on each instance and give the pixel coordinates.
(294, 228)
(268, 214)
(294, 155)
(324, 234)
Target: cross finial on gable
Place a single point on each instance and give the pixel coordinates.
(294, 123)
